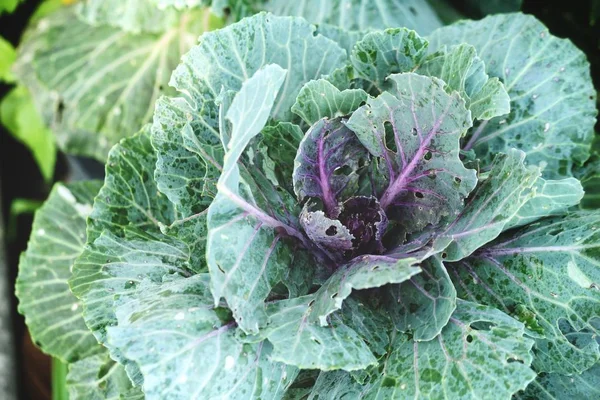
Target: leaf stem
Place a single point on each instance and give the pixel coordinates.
(59, 380)
(475, 136)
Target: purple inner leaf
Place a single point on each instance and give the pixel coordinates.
(414, 130)
(327, 162)
(357, 229)
(366, 221)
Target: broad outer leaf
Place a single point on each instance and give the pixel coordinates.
(327, 163)
(113, 266)
(483, 8)
(423, 124)
(480, 354)
(181, 4)
(320, 98)
(131, 16)
(364, 272)
(552, 197)
(305, 344)
(96, 85)
(98, 378)
(553, 101)
(380, 54)
(492, 206)
(221, 63)
(246, 250)
(463, 71)
(423, 305)
(360, 15)
(547, 276)
(367, 315)
(52, 312)
(185, 350)
(557, 387)
(129, 196)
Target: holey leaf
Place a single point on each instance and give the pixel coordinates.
(423, 304)
(95, 85)
(380, 54)
(547, 276)
(130, 197)
(113, 266)
(186, 129)
(326, 164)
(414, 130)
(364, 272)
(320, 98)
(305, 344)
(481, 351)
(52, 313)
(464, 72)
(492, 206)
(98, 377)
(548, 80)
(247, 252)
(557, 387)
(185, 351)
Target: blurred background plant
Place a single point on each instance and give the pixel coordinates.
(78, 76)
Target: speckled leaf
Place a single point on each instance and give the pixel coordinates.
(547, 276)
(367, 316)
(52, 313)
(361, 14)
(552, 197)
(589, 175)
(380, 54)
(129, 196)
(319, 99)
(100, 378)
(463, 71)
(247, 252)
(282, 141)
(221, 63)
(96, 85)
(298, 341)
(423, 305)
(548, 79)
(365, 272)
(344, 38)
(131, 16)
(493, 204)
(560, 387)
(448, 367)
(415, 132)
(112, 266)
(186, 350)
(327, 162)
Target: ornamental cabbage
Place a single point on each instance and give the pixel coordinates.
(305, 222)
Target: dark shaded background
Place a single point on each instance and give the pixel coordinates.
(578, 20)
